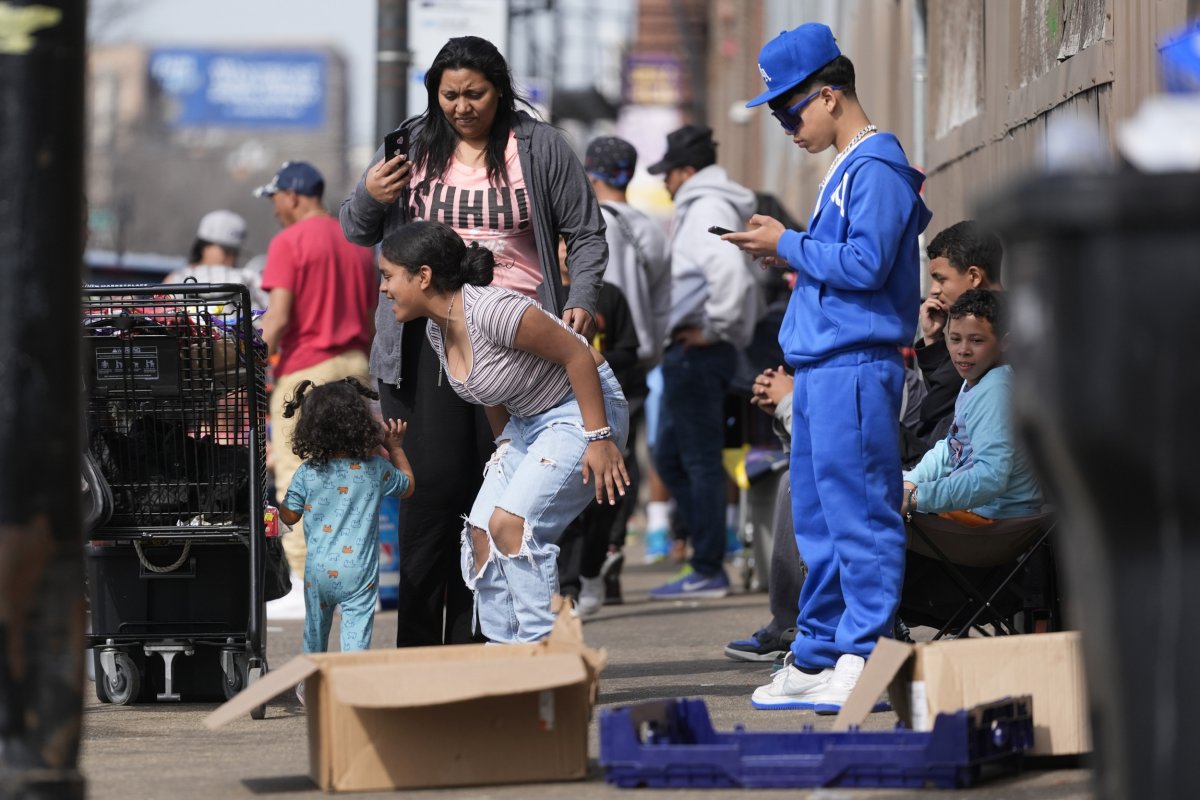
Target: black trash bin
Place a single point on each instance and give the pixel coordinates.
(1104, 273)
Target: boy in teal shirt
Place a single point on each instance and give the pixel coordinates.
(977, 467)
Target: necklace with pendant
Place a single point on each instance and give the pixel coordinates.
(446, 337)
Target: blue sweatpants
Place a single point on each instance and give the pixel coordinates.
(846, 492)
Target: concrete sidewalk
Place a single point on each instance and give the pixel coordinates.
(656, 650)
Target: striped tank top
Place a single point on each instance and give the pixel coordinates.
(522, 382)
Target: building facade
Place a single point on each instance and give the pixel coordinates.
(973, 111)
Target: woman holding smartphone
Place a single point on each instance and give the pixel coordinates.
(510, 183)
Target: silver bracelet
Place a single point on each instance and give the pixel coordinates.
(598, 435)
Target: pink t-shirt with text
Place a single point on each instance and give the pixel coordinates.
(498, 218)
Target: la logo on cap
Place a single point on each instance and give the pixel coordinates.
(766, 78)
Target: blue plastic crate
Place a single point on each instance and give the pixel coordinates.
(672, 744)
(389, 552)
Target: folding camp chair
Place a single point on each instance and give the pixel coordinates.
(999, 570)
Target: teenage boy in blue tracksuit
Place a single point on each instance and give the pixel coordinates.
(855, 303)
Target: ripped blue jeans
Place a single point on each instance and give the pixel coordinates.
(536, 474)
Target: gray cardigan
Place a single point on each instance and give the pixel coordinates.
(562, 201)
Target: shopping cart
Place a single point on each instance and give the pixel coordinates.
(175, 410)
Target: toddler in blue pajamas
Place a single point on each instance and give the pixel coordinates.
(338, 490)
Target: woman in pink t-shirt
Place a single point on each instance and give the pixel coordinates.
(512, 184)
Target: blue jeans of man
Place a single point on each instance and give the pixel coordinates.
(846, 491)
(691, 436)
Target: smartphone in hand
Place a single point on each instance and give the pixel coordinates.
(395, 144)
(717, 230)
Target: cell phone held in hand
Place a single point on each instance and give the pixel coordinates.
(717, 230)
(395, 144)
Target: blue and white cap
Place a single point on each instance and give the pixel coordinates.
(294, 176)
(793, 57)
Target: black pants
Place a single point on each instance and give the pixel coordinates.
(448, 442)
(787, 566)
(585, 542)
(628, 504)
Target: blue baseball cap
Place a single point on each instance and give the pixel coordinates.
(793, 57)
(294, 176)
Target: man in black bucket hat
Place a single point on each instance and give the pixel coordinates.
(690, 146)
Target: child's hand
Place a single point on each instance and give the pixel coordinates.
(761, 237)
(770, 387)
(394, 433)
(932, 317)
(758, 392)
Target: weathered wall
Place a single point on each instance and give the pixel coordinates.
(1039, 61)
(999, 73)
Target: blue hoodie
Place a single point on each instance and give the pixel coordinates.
(857, 268)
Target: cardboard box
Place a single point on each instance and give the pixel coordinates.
(441, 716)
(926, 679)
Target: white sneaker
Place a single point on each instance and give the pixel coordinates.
(791, 688)
(291, 605)
(845, 677)
(591, 595)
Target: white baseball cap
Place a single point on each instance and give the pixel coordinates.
(224, 228)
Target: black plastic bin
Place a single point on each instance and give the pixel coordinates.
(1104, 273)
(205, 596)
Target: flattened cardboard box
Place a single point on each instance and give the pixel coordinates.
(441, 716)
(929, 678)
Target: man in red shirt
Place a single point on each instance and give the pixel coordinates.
(320, 312)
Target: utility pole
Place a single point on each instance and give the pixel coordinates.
(41, 542)
(391, 67)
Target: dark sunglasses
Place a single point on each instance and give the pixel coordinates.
(789, 117)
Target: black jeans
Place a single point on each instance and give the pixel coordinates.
(448, 442)
(787, 565)
(628, 504)
(585, 542)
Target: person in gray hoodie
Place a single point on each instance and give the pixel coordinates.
(512, 184)
(715, 303)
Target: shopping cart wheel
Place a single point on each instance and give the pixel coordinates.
(252, 675)
(235, 678)
(124, 684)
